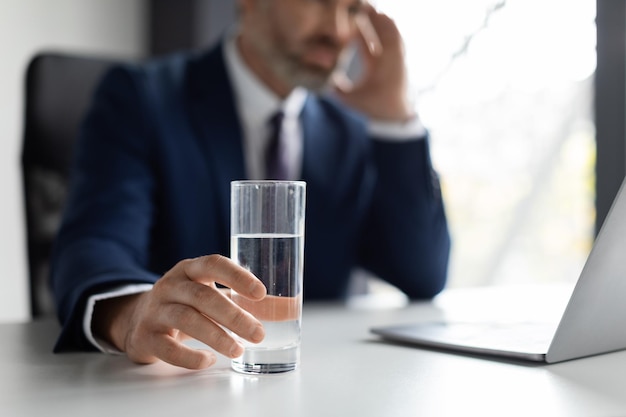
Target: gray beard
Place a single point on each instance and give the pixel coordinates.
(287, 68)
(295, 75)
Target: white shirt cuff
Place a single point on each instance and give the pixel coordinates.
(397, 131)
(102, 345)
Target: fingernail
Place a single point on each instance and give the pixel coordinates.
(258, 290)
(237, 350)
(258, 334)
(209, 361)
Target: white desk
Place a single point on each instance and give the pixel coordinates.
(345, 372)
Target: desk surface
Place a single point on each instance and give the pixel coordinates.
(345, 371)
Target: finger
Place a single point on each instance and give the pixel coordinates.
(378, 29)
(154, 346)
(175, 353)
(220, 269)
(368, 34)
(191, 322)
(341, 82)
(370, 44)
(193, 304)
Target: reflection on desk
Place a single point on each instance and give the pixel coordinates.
(345, 372)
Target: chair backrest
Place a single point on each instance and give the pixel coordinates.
(58, 90)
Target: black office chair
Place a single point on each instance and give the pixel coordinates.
(58, 91)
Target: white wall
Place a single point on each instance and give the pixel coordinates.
(111, 27)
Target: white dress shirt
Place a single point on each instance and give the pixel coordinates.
(255, 104)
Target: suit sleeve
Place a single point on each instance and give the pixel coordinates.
(406, 239)
(103, 239)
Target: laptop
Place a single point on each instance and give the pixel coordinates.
(594, 320)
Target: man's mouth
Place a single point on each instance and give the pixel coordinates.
(324, 57)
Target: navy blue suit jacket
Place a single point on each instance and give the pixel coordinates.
(151, 186)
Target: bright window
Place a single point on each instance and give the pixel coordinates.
(505, 88)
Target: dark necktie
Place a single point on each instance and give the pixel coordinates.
(276, 164)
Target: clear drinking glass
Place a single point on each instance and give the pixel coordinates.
(267, 238)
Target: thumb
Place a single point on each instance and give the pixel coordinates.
(341, 84)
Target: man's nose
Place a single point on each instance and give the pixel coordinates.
(339, 24)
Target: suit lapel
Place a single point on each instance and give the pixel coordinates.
(328, 151)
(214, 119)
(318, 140)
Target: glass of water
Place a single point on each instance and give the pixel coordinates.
(267, 238)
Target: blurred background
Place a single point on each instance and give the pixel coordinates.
(506, 88)
(524, 100)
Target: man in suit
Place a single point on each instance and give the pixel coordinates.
(145, 239)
